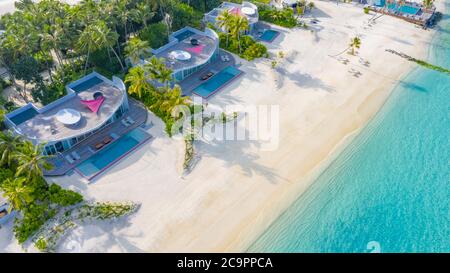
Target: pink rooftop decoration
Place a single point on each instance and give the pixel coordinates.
(94, 105)
(196, 49)
(235, 11)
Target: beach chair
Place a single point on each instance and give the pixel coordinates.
(69, 159)
(99, 145)
(76, 155)
(107, 140)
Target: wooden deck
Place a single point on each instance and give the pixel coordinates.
(86, 148)
(194, 80)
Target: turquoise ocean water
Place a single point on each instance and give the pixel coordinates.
(389, 191)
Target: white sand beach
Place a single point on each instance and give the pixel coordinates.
(237, 190)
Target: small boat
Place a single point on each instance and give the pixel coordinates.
(4, 215)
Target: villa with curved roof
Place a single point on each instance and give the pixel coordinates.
(246, 9)
(91, 103)
(188, 51)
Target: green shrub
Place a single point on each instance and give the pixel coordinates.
(63, 197)
(41, 244)
(256, 50)
(33, 218)
(250, 49)
(284, 17)
(155, 35)
(366, 10)
(5, 174)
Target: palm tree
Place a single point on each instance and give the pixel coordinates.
(97, 36)
(123, 13)
(428, 3)
(355, 43)
(138, 81)
(2, 115)
(169, 99)
(135, 48)
(239, 25)
(89, 41)
(142, 13)
(8, 146)
(311, 6)
(17, 193)
(224, 20)
(31, 161)
(157, 70)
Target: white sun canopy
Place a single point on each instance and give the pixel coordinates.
(248, 11)
(68, 116)
(180, 55)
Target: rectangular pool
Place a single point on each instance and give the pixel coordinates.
(403, 9)
(24, 116)
(112, 153)
(183, 35)
(217, 82)
(269, 35)
(87, 84)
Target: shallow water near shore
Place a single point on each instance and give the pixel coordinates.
(388, 191)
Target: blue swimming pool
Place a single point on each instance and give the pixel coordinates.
(24, 116)
(217, 82)
(393, 6)
(183, 35)
(87, 84)
(269, 35)
(112, 153)
(403, 9)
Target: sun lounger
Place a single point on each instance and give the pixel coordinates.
(130, 120)
(107, 140)
(69, 159)
(75, 155)
(207, 76)
(100, 145)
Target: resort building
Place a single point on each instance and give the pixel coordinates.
(198, 65)
(91, 103)
(188, 51)
(280, 4)
(247, 9)
(410, 11)
(78, 125)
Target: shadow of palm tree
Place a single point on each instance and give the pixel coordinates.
(227, 151)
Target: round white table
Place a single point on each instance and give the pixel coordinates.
(68, 116)
(180, 55)
(248, 11)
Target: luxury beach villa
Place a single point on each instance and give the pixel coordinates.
(246, 9)
(93, 126)
(410, 11)
(198, 64)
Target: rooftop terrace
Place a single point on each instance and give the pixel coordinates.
(247, 9)
(197, 53)
(43, 125)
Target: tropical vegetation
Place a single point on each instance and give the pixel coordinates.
(46, 44)
(282, 17)
(22, 184)
(355, 43)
